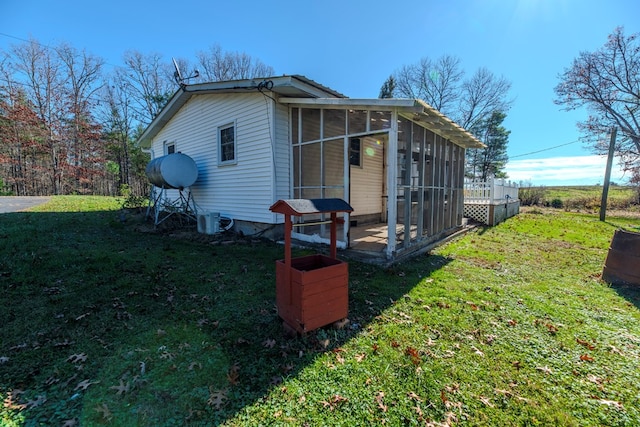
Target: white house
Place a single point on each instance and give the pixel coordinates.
(398, 162)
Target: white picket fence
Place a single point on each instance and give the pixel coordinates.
(492, 191)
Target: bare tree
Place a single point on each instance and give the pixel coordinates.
(82, 134)
(607, 83)
(149, 83)
(40, 72)
(217, 65)
(472, 102)
(481, 96)
(435, 82)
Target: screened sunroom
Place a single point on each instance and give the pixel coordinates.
(398, 162)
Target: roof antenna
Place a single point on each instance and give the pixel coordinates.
(178, 75)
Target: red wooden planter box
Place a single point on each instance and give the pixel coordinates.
(317, 293)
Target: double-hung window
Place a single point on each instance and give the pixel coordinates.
(227, 144)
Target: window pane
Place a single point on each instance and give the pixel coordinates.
(296, 166)
(310, 124)
(311, 164)
(355, 152)
(334, 163)
(334, 123)
(380, 120)
(357, 121)
(227, 144)
(294, 126)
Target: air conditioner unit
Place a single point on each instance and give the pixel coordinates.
(209, 223)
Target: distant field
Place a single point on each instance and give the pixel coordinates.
(581, 197)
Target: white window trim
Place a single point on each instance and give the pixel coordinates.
(168, 144)
(232, 124)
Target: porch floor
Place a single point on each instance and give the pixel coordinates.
(373, 237)
(368, 237)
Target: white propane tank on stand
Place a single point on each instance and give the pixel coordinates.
(174, 171)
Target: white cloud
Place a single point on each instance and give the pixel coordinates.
(576, 170)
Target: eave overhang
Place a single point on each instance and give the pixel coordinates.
(279, 87)
(415, 110)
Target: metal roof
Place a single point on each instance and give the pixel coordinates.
(284, 86)
(413, 109)
(299, 90)
(299, 207)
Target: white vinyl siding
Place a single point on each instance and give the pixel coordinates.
(282, 154)
(245, 190)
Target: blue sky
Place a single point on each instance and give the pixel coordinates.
(352, 46)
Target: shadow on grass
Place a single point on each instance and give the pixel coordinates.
(629, 292)
(109, 321)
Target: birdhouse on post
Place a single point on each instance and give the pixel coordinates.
(311, 291)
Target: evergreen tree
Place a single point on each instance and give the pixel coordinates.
(483, 163)
(388, 88)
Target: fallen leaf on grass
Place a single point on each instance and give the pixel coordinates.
(594, 379)
(104, 410)
(85, 384)
(615, 350)
(586, 358)
(167, 355)
(477, 351)
(360, 357)
(413, 353)
(414, 396)
(380, 401)
(217, 398)
(545, 369)
(194, 365)
(552, 329)
(512, 322)
(486, 401)
(333, 402)
(121, 388)
(585, 344)
(11, 401)
(234, 374)
(77, 358)
(38, 401)
(611, 403)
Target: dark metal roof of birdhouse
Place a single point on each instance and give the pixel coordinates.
(300, 207)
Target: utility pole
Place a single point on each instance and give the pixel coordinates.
(607, 175)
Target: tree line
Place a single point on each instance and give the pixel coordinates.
(478, 103)
(69, 121)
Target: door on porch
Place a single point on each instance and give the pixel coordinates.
(367, 179)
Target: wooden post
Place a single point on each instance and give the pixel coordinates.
(607, 175)
(334, 235)
(288, 228)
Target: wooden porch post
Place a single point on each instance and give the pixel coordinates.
(334, 250)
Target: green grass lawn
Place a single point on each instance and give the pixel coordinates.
(105, 322)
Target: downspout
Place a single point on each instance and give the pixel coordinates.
(274, 164)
